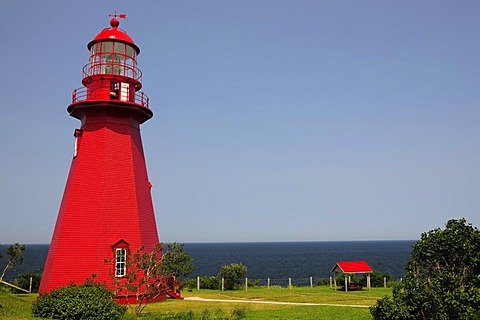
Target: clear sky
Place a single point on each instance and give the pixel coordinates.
(274, 120)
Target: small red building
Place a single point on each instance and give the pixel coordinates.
(107, 209)
(351, 267)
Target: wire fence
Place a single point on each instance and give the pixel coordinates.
(246, 283)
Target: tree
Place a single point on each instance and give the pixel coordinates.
(233, 274)
(145, 278)
(15, 257)
(176, 260)
(23, 281)
(442, 278)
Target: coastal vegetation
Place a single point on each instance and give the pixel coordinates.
(176, 260)
(232, 275)
(442, 278)
(88, 301)
(442, 281)
(338, 304)
(14, 257)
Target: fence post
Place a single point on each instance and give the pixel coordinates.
(290, 283)
(268, 283)
(223, 284)
(330, 282)
(311, 282)
(198, 282)
(346, 284)
(384, 282)
(246, 284)
(30, 287)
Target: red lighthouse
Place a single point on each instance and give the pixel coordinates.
(107, 209)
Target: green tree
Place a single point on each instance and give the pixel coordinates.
(145, 278)
(233, 274)
(176, 260)
(15, 257)
(442, 278)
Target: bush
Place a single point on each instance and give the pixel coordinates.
(87, 301)
(233, 274)
(376, 279)
(442, 279)
(23, 281)
(211, 282)
(323, 282)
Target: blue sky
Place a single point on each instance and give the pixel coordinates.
(274, 120)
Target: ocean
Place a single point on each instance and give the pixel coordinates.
(275, 260)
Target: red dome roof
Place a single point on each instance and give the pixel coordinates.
(115, 34)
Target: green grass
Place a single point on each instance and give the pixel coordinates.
(321, 295)
(19, 306)
(16, 306)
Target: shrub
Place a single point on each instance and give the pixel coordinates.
(376, 279)
(442, 279)
(232, 274)
(23, 281)
(211, 282)
(323, 282)
(87, 301)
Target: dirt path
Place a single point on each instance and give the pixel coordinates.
(276, 302)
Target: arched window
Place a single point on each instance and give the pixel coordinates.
(120, 249)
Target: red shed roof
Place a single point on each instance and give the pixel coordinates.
(352, 267)
(115, 34)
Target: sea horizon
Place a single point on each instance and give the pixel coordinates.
(273, 259)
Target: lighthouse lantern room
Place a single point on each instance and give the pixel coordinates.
(106, 210)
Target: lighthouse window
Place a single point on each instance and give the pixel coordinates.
(107, 46)
(130, 52)
(113, 57)
(119, 48)
(120, 262)
(114, 90)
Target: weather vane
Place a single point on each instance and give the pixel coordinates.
(120, 15)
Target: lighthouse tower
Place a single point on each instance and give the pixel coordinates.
(107, 209)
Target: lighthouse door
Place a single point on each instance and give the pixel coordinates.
(124, 91)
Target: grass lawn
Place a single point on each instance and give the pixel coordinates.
(320, 295)
(19, 306)
(16, 306)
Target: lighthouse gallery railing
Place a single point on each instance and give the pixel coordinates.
(81, 94)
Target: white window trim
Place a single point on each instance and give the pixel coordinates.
(118, 263)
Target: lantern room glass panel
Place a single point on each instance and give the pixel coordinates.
(112, 57)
